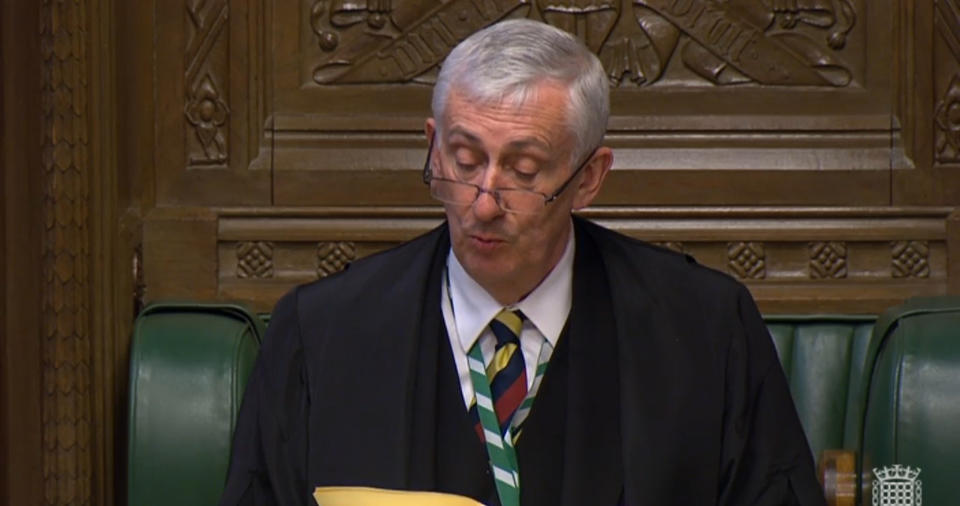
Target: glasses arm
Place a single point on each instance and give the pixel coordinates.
(427, 173)
(566, 183)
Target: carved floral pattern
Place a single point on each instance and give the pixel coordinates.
(947, 118)
(333, 257)
(206, 107)
(747, 260)
(208, 113)
(828, 260)
(255, 259)
(910, 259)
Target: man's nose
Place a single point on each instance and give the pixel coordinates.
(486, 207)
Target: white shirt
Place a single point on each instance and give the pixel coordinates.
(468, 308)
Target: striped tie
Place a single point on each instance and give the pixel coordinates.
(501, 387)
(507, 372)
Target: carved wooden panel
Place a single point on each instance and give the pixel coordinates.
(793, 260)
(927, 67)
(711, 99)
(747, 260)
(947, 84)
(212, 103)
(640, 42)
(828, 260)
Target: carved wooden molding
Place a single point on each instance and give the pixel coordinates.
(793, 259)
(747, 260)
(828, 260)
(333, 257)
(911, 259)
(68, 455)
(255, 259)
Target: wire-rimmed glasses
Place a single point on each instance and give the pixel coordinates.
(510, 200)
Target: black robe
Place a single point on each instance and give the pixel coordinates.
(665, 388)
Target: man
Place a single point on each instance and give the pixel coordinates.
(517, 354)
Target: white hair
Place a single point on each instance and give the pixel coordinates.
(508, 60)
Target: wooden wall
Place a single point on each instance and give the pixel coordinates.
(808, 153)
(229, 149)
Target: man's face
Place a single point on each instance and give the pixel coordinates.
(507, 145)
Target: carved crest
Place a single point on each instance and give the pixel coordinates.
(772, 42)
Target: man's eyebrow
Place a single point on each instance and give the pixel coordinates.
(518, 144)
(457, 130)
(514, 145)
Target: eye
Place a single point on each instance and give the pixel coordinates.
(465, 166)
(467, 161)
(525, 170)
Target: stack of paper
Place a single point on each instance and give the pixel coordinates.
(366, 496)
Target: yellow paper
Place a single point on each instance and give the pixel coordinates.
(366, 496)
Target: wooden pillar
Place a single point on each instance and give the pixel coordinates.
(20, 370)
(84, 269)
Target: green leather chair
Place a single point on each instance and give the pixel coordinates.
(190, 363)
(911, 416)
(824, 357)
(188, 368)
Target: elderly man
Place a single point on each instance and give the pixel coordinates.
(518, 354)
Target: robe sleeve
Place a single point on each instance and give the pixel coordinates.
(268, 458)
(766, 459)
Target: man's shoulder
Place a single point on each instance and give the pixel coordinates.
(382, 268)
(659, 268)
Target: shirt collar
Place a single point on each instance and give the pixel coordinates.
(547, 306)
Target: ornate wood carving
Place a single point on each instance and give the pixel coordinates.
(255, 259)
(332, 257)
(67, 356)
(828, 260)
(947, 114)
(211, 101)
(715, 42)
(373, 41)
(910, 259)
(747, 260)
(207, 71)
(791, 92)
(786, 256)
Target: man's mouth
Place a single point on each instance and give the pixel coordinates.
(486, 242)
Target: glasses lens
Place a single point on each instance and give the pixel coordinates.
(521, 201)
(510, 200)
(453, 192)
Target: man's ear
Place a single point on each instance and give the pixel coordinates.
(430, 128)
(592, 177)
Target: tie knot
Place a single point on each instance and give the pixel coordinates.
(506, 326)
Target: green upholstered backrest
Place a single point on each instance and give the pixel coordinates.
(824, 357)
(188, 368)
(912, 414)
(190, 362)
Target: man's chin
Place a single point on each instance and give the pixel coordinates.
(484, 269)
